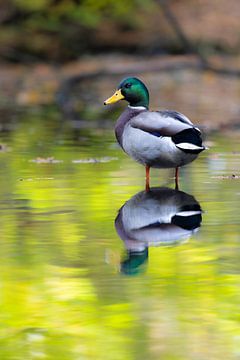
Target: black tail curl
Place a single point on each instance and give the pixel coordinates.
(190, 136)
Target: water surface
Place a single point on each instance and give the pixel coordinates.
(65, 293)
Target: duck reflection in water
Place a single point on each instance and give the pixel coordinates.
(162, 216)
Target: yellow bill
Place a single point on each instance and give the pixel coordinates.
(116, 97)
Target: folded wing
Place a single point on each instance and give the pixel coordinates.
(172, 124)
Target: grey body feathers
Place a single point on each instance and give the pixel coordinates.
(148, 137)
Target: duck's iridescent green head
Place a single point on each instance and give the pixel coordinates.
(132, 90)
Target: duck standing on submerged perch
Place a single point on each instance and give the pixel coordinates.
(158, 139)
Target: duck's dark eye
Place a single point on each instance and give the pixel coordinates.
(128, 85)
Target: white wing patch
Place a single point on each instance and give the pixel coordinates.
(188, 146)
(188, 213)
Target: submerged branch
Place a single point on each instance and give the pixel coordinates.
(66, 89)
(63, 96)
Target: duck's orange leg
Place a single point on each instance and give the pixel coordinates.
(147, 186)
(176, 177)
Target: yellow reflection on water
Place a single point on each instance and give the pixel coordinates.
(63, 295)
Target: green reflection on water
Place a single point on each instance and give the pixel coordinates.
(62, 294)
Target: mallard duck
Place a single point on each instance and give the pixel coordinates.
(158, 139)
(162, 216)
